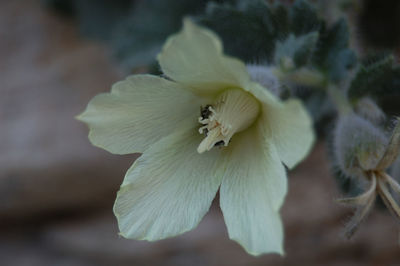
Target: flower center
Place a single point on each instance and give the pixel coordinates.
(234, 111)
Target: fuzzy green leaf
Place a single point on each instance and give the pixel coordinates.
(138, 38)
(377, 75)
(333, 55)
(299, 49)
(249, 29)
(303, 18)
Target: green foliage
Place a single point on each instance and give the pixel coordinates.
(333, 55)
(254, 30)
(292, 37)
(249, 29)
(136, 30)
(140, 36)
(378, 75)
(299, 49)
(303, 18)
(257, 31)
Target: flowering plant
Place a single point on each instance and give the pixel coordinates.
(212, 123)
(209, 126)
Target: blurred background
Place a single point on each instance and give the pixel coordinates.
(57, 191)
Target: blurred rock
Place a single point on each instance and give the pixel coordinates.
(313, 226)
(48, 75)
(95, 239)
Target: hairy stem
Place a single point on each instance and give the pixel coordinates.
(339, 98)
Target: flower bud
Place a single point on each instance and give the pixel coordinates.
(368, 109)
(265, 76)
(358, 144)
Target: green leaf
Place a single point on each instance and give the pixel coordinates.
(138, 38)
(377, 75)
(303, 18)
(299, 49)
(248, 29)
(333, 55)
(341, 64)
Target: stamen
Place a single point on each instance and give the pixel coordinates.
(234, 111)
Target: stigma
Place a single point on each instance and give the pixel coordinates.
(233, 111)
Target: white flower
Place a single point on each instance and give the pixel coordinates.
(207, 127)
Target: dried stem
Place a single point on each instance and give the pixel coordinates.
(362, 199)
(359, 216)
(365, 202)
(393, 184)
(390, 203)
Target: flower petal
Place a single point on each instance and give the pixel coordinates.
(253, 189)
(292, 131)
(168, 189)
(194, 57)
(139, 111)
(289, 124)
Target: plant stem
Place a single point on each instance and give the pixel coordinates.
(340, 100)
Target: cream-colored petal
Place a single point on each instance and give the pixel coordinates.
(289, 124)
(194, 57)
(264, 95)
(168, 189)
(252, 191)
(137, 112)
(292, 130)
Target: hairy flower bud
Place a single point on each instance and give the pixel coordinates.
(358, 144)
(265, 76)
(373, 157)
(368, 109)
